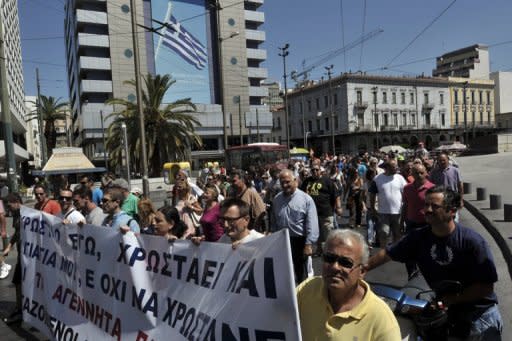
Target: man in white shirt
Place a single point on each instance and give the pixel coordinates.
(234, 216)
(388, 188)
(69, 214)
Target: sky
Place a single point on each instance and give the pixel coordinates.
(414, 33)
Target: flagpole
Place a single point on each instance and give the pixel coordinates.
(166, 19)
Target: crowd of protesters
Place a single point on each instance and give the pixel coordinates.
(384, 194)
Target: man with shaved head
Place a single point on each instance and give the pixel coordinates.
(295, 210)
(388, 188)
(413, 205)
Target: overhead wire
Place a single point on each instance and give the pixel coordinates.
(421, 32)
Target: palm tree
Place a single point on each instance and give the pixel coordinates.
(170, 129)
(52, 109)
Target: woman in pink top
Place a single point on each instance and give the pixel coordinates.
(210, 221)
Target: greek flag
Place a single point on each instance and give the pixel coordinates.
(181, 41)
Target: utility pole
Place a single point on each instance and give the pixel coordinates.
(465, 113)
(375, 116)
(104, 142)
(127, 155)
(284, 53)
(10, 165)
(303, 115)
(218, 8)
(240, 119)
(136, 59)
(258, 124)
(42, 138)
(329, 75)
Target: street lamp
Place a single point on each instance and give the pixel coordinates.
(127, 155)
(329, 75)
(284, 52)
(375, 115)
(104, 142)
(306, 139)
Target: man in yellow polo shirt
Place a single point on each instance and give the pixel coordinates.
(340, 305)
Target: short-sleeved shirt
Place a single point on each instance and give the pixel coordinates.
(49, 206)
(370, 320)
(122, 219)
(97, 195)
(256, 205)
(323, 192)
(253, 235)
(95, 217)
(210, 222)
(130, 205)
(389, 190)
(414, 199)
(73, 216)
(462, 256)
(449, 177)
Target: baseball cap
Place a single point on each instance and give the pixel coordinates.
(136, 190)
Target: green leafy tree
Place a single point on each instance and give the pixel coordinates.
(52, 109)
(170, 128)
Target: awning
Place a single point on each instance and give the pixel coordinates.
(68, 160)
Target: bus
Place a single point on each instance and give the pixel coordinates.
(300, 154)
(257, 155)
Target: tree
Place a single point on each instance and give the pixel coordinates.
(52, 109)
(170, 129)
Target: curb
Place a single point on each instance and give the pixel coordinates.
(493, 231)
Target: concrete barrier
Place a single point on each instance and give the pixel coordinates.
(495, 201)
(481, 193)
(507, 212)
(467, 187)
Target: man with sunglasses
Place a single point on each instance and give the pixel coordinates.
(43, 203)
(116, 218)
(340, 305)
(69, 214)
(446, 250)
(83, 201)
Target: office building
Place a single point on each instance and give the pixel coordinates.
(14, 71)
(214, 56)
(468, 62)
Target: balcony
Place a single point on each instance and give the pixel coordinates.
(91, 17)
(388, 128)
(257, 72)
(255, 35)
(429, 126)
(360, 105)
(254, 16)
(257, 54)
(95, 40)
(363, 128)
(408, 127)
(94, 63)
(89, 85)
(256, 91)
(427, 106)
(257, 2)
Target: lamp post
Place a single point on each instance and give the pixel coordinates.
(375, 115)
(329, 75)
(306, 139)
(464, 86)
(284, 52)
(303, 116)
(127, 155)
(104, 142)
(136, 59)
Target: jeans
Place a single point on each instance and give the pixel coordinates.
(487, 326)
(389, 227)
(370, 224)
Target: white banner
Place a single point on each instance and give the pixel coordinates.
(93, 283)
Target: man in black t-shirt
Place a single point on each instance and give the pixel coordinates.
(323, 191)
(448, 251)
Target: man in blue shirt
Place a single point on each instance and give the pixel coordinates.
(117, 218)
(446, 250)
(295, 210)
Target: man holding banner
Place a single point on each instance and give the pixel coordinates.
(340, 305)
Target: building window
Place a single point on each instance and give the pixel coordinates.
(480, 97)
(402, 98)
(395, 120)
(376, 120)
(386, 120)
(425, 98)
(481, 116)
(125, 8)
(375, 97)
(393, 97)
(279, 122)
(413, 119)
(326, 101)
(318, 125)
(384, 98)
(231, 22)
(411, 97)
(327, 127)
(472, 97)
(359, 95)
(128, 53)
(441, 99)
(309, 105)
(489, 117)
(404, 119)
(427, 119)
(456, 118)
(317, 103)
(443, 120)
(335, 99)
(488, 97)
(336, 123)
(310, 126)
(456, 96)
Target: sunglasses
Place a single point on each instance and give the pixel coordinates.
(39, 194)
(62, 198)
(105, 200)
(345, 262)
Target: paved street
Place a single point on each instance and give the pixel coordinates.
(486, 170)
